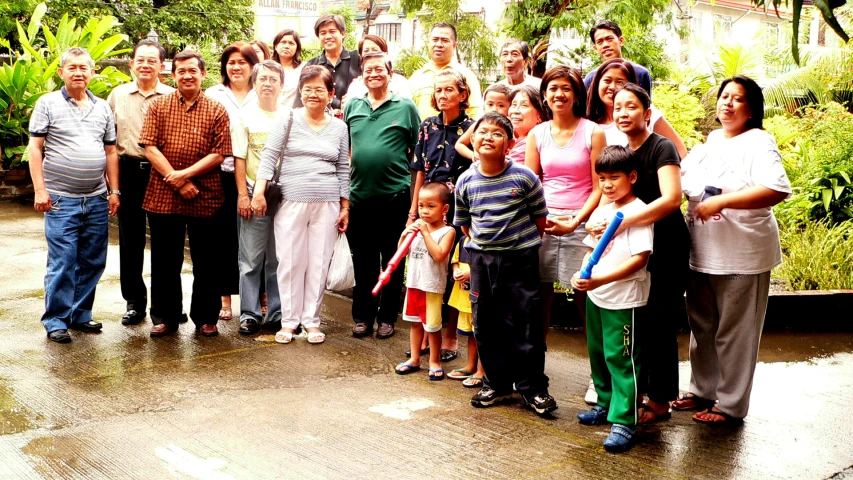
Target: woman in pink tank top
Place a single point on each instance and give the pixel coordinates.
(563, 152)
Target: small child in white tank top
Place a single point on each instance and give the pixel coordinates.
(426, 277)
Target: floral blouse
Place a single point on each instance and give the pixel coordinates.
(435, 153)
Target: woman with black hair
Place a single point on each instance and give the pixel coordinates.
(610, 77)
(659, 186)
(287, 51)
(732, 183)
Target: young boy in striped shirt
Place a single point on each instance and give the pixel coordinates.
(501, 208)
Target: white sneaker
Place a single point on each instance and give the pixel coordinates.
(591, 397)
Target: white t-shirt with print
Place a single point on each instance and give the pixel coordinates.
(734, 241)
(633, 290)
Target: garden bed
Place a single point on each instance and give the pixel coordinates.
(15, 183)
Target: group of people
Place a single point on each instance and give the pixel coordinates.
(501, 195)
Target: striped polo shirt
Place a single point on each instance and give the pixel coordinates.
(74, 155)
(501, 211)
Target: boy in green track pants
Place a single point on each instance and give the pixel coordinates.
(618, 285)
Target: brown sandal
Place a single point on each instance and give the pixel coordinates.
(688, 401)
(655, 416)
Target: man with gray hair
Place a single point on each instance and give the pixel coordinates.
(383, 133)
(72, 144)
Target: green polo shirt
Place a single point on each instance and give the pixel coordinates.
(380, 142)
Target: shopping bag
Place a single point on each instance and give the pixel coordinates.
(341, 276)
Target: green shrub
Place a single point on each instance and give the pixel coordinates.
(818, 156)
(817, 256)
(682, 110)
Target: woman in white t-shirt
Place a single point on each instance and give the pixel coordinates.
(610, 77)
(732, 183)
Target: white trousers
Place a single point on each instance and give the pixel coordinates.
(305, 235)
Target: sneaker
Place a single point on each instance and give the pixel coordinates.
(591, 397)
(487, 397)
(619, 439)
(596, 416)
(542, 404)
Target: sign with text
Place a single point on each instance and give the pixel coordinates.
(289, 7)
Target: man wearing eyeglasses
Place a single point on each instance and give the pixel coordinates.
(129, 103)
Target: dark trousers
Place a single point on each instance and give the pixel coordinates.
(374, 230)
(228, 272)
(133, 174)
(168, 233)
(658, 321)
(508, 322)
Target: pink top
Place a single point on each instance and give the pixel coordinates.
(566, 174)
(516, 154)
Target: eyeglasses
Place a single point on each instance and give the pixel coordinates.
(273, 80)
(308, 91)
(146, 61)
(492, 135)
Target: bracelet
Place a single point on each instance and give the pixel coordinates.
(344, 208)
(115, 192)
(413, 216)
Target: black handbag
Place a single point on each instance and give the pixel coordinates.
(273, 192)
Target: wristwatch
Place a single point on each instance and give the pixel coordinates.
(115, 192)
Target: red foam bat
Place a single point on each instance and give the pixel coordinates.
(385, 276)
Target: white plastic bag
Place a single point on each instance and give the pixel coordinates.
(341, 276)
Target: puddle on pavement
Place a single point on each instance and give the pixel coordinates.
(14, 418)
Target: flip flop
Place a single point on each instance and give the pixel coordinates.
(727, 419)
(655, 416)
(436, 374)
(473, 382)
(689, 401)
(409, 368)
(448, 355)
(316, 338)
(225, 313)
(459, 374)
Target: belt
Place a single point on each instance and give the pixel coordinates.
(143, 162)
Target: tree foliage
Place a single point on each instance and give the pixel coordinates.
(178, 22)
(477, 46)
(12, 11)
(828, 9)
(533, 20)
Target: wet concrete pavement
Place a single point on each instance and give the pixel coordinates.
(122, 405)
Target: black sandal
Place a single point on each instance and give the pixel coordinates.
(448, 355)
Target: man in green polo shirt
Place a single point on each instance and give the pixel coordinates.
(383, 132)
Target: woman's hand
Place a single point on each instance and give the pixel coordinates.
(708, 208)
(244, 206)
(560, 225)
(343, 220)
(259, 203)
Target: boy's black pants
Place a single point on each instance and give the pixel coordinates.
(508, 322)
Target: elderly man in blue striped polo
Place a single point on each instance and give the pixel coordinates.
(72, 144)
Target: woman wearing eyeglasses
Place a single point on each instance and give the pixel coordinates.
(313, 148)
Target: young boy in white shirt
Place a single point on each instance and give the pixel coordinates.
(619, 284)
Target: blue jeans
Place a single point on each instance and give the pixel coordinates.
(257, 257)
(76, 230)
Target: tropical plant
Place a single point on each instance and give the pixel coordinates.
(19, 91)
(827, 9)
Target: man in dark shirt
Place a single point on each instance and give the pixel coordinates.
(344, 64)
(186, 136)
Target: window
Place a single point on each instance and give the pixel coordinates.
(722, 26)
(770, 34)
(389, 31)
(696, 30)
(566, 34)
